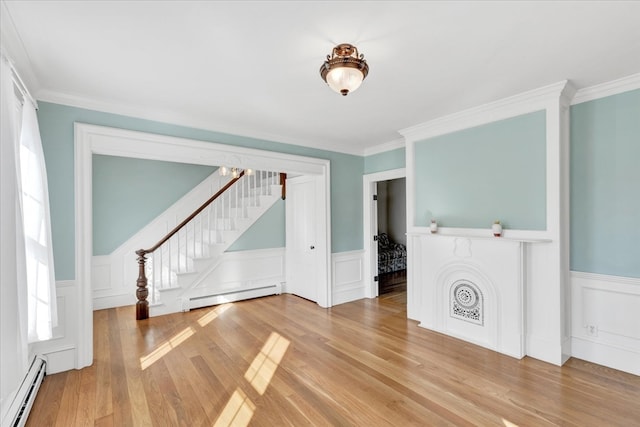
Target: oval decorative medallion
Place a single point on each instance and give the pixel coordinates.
(466, 302)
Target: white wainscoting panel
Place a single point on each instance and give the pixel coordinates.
(60, 351)
(347, 280)
(242, 270)
(605, 325)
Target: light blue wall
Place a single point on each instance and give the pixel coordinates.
(389, 160)
(267, 232)
(492, 172)
(129, 193)
(56, 126)
(605, 185)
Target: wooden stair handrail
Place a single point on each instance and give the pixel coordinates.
(142, 292)
(190, 217)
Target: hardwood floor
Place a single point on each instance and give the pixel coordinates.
(284, 361)
(393, 286)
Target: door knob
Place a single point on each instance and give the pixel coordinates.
(312, 247)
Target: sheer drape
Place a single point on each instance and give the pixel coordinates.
(13, 297)
(42, 312)
(27, 252)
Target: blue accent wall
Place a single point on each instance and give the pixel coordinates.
(56, 127)
(605, 185)
(388, 160)
(491, 172)
(267, 232)
(129, 193)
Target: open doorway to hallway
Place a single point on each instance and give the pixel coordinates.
(392, 239)
(388, 204)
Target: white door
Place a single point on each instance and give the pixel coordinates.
(303, 245)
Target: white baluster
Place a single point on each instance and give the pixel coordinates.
(255, 190)
(202, 233)
(169, 259)
(241, 204)
(161, 267)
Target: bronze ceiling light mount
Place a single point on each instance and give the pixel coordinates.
(345, 69)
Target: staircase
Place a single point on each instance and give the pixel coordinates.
(175, 274)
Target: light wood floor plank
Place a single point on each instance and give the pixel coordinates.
(284, 361)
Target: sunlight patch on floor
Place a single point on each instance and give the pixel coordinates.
(211, 315)
(508, 423)
(170, 344)
(238, 411)
(266, 362)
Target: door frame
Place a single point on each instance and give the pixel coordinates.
(370, 224)
(92, 139)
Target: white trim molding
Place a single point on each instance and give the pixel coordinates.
(347, 280)
(602, 90)
(605, 327)
(527, 102)
(92, 139)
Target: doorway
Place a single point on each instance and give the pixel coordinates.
(370, 209)
(392, 236)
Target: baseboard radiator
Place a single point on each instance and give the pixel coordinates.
(230, 296)
(26, 395)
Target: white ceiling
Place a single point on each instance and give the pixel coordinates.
(252, 68)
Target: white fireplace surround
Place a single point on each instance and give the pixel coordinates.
(488, 273)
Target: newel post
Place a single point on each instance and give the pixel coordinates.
(142, 306)
(283, 183)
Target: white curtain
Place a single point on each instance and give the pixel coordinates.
(42, 313)
(13, 298)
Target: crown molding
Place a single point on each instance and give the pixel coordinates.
(614, 87)
(13, 48)
(527, 102)
(179, 119)
(387, 146)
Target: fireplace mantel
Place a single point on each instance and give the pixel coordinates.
(477, 233)
(472, 287)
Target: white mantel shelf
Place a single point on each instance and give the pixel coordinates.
(481, 234)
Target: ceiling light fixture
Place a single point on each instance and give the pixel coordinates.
(345, 69)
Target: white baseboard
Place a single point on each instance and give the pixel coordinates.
(347, 281)
(604, 322)
(606, 355)
(118, 300)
